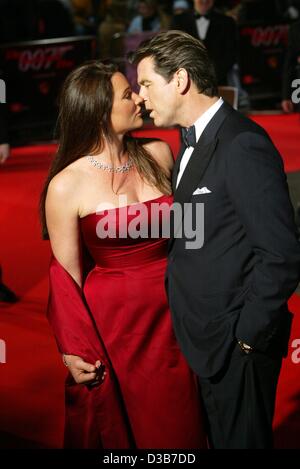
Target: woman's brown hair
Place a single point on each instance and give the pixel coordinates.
(84, 123)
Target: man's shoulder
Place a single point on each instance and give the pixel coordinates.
(243, 135)
(237, 123)
(224, 19)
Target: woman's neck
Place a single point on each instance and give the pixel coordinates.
(113, 152)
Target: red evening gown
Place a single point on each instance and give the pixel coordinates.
(126, 298)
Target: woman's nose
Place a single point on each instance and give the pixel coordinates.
(137, 98)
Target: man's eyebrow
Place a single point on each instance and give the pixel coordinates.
(143, 82)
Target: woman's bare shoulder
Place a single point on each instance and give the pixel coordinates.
(64, 187)
(64, 182)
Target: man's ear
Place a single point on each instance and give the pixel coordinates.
(181, 78)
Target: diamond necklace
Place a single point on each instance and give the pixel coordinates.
(106, 167)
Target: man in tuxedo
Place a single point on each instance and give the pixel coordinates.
(218, 32)
(228, 299)
(291, 69)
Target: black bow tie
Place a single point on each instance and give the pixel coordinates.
(197, 16)
(189, 136)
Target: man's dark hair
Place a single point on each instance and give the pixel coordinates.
(172, 50)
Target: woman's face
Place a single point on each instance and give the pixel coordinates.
(126, 109)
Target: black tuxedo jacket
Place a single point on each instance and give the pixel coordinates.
(291, 69)
(220, 41)
(236, 285)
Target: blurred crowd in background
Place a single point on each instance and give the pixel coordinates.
(23, 20)
(217, 23)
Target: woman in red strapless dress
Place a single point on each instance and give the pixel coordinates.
(129, 385)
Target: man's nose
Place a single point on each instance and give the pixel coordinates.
(142, 93)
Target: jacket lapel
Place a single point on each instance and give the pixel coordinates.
(177, 166)
(211, 32)
(190, 179)
(194, 171)
(198, 163)
(189, 25)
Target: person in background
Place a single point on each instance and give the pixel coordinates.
(112, 28)
(148, 18)
(86, 16)
(218, 33)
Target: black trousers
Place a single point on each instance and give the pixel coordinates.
(239, 401)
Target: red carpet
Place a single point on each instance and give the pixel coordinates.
(32, 379)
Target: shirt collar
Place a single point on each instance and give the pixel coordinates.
(204, 119)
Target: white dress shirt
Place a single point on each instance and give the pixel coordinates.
(202, 27)
(200, 125)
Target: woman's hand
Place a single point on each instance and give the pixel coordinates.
(83, 372)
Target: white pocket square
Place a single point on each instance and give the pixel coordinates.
(202, 190)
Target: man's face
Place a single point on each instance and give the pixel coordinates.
(160, 97)
(202, 6)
